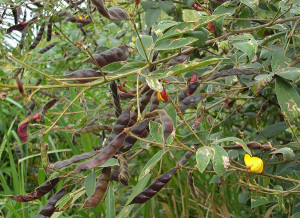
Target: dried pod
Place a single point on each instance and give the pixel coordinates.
(74, 159)
(22, 131)
(125, 96)
(82, 76)
(141, 130)
(123, 175)
(38, 192)
(113, 13)
(50, 208)
(167, 124)
(155, 187)
(120, 53)
(101, 187)
(17, 13)
(38, 37)
(90, 129)
(187, 92)
(48, 47)
(181, 58)
(191, 184)
(24, 31)
(49, 105)
(107, 152)
(49, 30)
(19, 27)
(20, 86)
(187, 155)
(117, 103)
(115, 174)
(189, 101)
(231, 72)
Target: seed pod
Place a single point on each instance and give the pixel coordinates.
(181, 58)
(225, 73)
(44, 156)
(20, 86)
(120, 125)
(189, 101)
(83, 75)
(38, 192)
(49, 105)
(167, 124)
(143, 103)
(141, 130)
(123, 175)
(187, 92)
(74, 159)
(155, 187)
(18, 150)
(22, 131)
(50, 208)
(191, 184)
(113, 13)
(38, 37)
(120, 53)
(187, 155)
(48, 94)
(125, 96)
(107, 152)
(101, 187)
(47, 48)
(154, 103)
(24, 31)
(117, 103)
(17, 13)
(49, 30)
(90, 129)
(115, 174)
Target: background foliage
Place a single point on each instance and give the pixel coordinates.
(245, 55)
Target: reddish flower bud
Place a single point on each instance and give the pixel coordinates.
(164, 94)
(22, 132)
(194, 78)
(23, 23)
(36, 116)
(120, 87)
(20, 86)
(196, 7)
(211, 27)
(137, 2)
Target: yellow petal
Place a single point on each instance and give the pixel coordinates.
(254, 164)
(159, 97)
(247, 161)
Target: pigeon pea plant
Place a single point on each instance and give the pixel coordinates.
(150, 108)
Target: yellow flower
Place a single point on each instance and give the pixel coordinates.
(254, 164)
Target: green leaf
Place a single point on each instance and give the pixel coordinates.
(147, 42)
(159, 28)
(154, 84)
(203, 156)
(275, 129)
(192, 138)
(172, 113)
(225, 9)
(156, 132)
(139, 187)
(245, 43)
(110, 203)
(112, 67)
(110, 163)
(290, 73)
(152, 162)
(151, 16)
(177, 30)
(174, 43)
(234, 139)
(295, 215)
(251, 3)
(220, 159)
(287, 153)
(166, 6)
(288, 98)
(61, 202)
(90, 184)
(279, 60)
(128, 68)
(257, 201)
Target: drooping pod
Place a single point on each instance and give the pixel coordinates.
(24, 31)
(155, 187)
(225, 73)
(49, 29)
(74, 159)
(116, 97)
(191, 184)
(108, 152)
(120, 53)
(38, 192)
(141, 130)
(38, 37)
(167, 123)
(189, 101)
(187, 155)
(189, 91)
(113, 13)
(83, 76)
(121, 173)
(100, 190)
(48, 47)
(50, 208)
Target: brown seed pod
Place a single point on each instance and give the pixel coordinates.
(117, 103)
(191, 184)
(113, 13)
(167, 123)
(74, 159)
(38, 192)
(187, 155)
(120, 53)
(189, 101)
(123, 176)
(50, 208)
(108, 152)
(101, 187)
(187, 92)
(141, 130)
(125, 96)
(38, 37)
(231, 72)
(83, 75)
(155, 187)
(49, 30)
(47, 48)
(24, 31)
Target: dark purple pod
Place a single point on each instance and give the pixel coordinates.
(155, 187)
(24, 31)
(187, 92)
(74, 159)
(38, 37)
(189, 101)
(116, 97)
(49, 29)
(225, 73)
(167, 123)
(84, 75)
(187, 155)
(47, 48)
